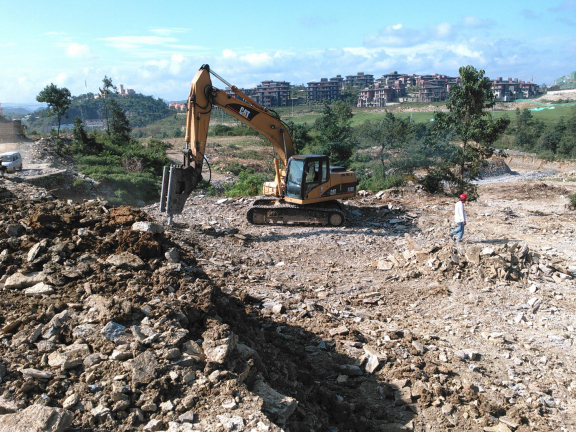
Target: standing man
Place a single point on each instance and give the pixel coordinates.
(459, 217)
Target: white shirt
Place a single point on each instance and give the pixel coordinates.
(459, 214)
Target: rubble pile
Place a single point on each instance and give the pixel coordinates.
(506, 262)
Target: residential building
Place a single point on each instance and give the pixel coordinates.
(326, 89)
(512, 89)
(178, 106)
(360, 80)
(272, 93)
(380, 95)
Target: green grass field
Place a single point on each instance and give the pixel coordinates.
(304, 114)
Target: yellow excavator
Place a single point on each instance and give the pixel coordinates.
(305, 189)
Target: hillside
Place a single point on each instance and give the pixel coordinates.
(113, 321)
(141, 110)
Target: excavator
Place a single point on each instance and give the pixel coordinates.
(305, 189)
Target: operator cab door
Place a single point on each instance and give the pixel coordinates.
(317, 173)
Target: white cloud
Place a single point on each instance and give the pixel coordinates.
(167, 31)
(227, 53)
(257, 59)
(61, 78)
(131, 42)
(396, 26)
(443, 30)
(77, 50)
(177, 58)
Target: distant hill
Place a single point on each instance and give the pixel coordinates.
(16, 110)
(139, 109)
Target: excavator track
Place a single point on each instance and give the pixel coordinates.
(274, 212)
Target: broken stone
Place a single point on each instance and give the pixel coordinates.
(275, 404)
(113, 331)
(34, 373)
(147, 227)
(125, 260)
(37, 418)
(144, 368)
(19, 280)
(39, 289)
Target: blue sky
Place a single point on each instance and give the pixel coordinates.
(156, 48)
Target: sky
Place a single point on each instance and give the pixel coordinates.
(156, 48)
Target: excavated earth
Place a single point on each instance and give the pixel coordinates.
(110, 320)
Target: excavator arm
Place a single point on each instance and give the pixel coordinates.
(179, 181)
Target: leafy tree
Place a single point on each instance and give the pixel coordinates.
(84, 144)
(349, 95)
(119, 127)
(389, 133)
(300, 134)
(58, 100)
(335, 132)
(470, 122)
(107, 89)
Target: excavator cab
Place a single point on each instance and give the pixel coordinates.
(306, 173)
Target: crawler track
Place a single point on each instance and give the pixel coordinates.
(275, 212)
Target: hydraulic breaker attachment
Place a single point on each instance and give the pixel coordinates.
(177, 185)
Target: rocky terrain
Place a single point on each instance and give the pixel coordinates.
(110, 320)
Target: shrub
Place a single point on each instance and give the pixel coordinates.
(249, 184)
(378, 183)
(572, 199)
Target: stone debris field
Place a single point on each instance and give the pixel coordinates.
(110, 320)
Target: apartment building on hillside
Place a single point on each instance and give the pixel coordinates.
(360, 80)
(380, 95)
(513, 89)
(325, 89)
(272, 94)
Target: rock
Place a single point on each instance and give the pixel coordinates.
(125, 260)
(447, 409)
(34, 373)
(70, 356)
(403, 396)
(278, 309)
(384, 265)
(187, 417)
(71, 401)
(153, 425)
(419, 347)
(342, 330)
(194, 350)
(19, 280)
(173, 256)
(217, 350)
(372, 364)
(144, 368)
(113, 331)
(15, 230)
(37, 418)
(350, 370)
(147, 227)
(500, 427)
(275, 404)
(35, 251)
(39, 289)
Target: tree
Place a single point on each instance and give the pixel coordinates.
(389, 133)
(119, 127)
(106, 90)
(470, 121)
(84, 144)
(335, 132)
(58, 100)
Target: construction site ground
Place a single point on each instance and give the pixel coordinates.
(213, 324)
